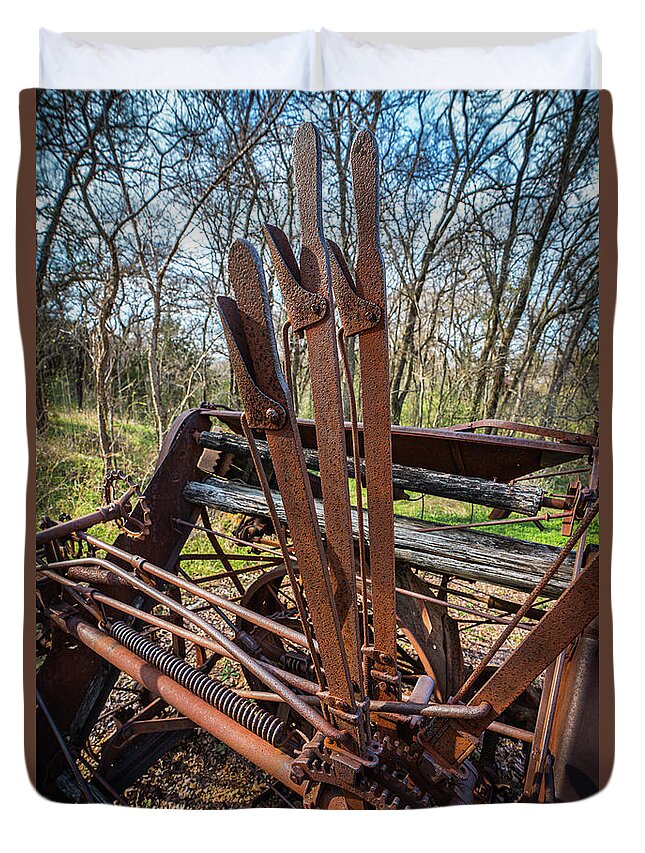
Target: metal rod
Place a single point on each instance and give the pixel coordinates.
(258, 619)
(98, 516)
(505, 730)
(498, 620)
(362, 551)
(101, 780)
(522, 520)
(60, 740)
(234, 651)
(235, 539)
(212, 538)
(550, 474)
(528, 601)
(151, 619)
(264, 560)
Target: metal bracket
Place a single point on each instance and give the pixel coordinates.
(572, 502)
(304, 307)
(262, 411)
(356, 313)
(383, 672)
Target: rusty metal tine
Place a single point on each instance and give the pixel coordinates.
(281, 251)
(262, 410)
(316, 319)
(307, 167)
(356, 314)
(304, 307)
(247, 280)
(375, 389)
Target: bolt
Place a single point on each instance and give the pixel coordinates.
(373, 314)
(273, 416)
(319, 306)
(297, 773)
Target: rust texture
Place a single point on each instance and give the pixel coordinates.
(247, 279)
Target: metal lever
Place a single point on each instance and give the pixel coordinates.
(307, 292)
(363, 312)
(249, 331)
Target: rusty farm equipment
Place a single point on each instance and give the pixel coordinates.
(342, 619)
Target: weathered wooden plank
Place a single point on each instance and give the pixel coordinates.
(521, 497)
(467, 554)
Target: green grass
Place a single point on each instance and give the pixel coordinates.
(69, 477)
(69, 470)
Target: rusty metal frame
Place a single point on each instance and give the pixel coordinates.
(360, 748)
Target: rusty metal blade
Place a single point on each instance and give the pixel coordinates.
(247, 279)
(375, 390)
(298, 284)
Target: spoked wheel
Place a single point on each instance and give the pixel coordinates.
(271, 595)
(421, 646)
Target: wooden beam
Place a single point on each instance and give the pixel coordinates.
(495, 559)
(521, 497)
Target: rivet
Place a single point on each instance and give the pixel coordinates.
(319, 306)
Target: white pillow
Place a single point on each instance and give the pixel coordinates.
(565, 62)
(285, 62)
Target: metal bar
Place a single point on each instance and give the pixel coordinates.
(151, 619)
(362, 544)
(235, 539)
(265, 561)
(212, 538)
(530, 429)
(498, 620)
(523, 520)
(103, 782)
(514, 732)
(403, 708)
(502, 457)
(249, 331)
(375, 393)
(540, 750)
(288, 562)
(550, 474)
(298, 282)
(65, 528)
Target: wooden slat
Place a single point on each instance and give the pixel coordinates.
(521, 497)
(511, 563)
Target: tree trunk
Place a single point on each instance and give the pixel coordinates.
(153, 369)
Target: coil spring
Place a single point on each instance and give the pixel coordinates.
(296, 664)
(242, 710)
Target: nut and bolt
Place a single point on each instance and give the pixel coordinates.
(273, 416)
(319, 306)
